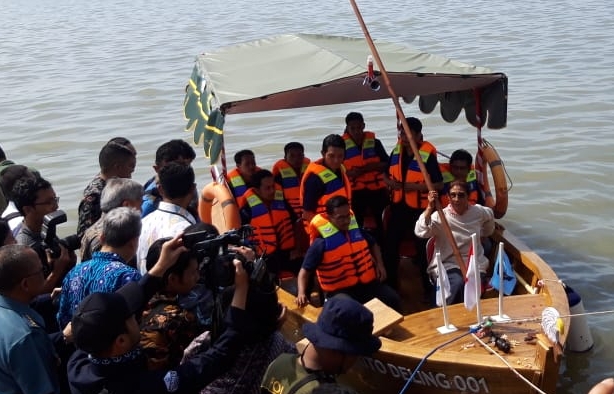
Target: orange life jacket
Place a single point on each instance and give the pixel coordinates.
(414, 198)
(472, 182)
(347, 259)
(238, 185)
(272, 226)
(334, 185)
(358, 156)
(291, 183)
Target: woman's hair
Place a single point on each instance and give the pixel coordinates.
(182, 263)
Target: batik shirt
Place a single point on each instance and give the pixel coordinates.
(166, 330)
(89, 207)
(105, 273)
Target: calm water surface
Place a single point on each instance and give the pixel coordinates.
(74, 74)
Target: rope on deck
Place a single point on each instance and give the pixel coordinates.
(527, 381)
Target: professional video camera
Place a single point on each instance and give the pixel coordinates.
(49, 234)
(216, 260)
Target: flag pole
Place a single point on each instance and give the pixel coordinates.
(501, 317)
(447, 327)
(412, 143)
(478, 287)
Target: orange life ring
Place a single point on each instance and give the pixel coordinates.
(498, 205)
(217, 206)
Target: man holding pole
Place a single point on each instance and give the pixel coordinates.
(464, 219)
(409, 191)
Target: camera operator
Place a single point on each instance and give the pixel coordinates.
(34, 197)
(107, 335)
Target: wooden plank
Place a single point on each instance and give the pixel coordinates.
(384, 317)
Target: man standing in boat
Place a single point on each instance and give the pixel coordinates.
(409, 198)
(365, 162)
(288, 173)
(239, 179)
(346, 259)
(325, 178)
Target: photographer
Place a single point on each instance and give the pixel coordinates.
(107, 335)
(34, 197)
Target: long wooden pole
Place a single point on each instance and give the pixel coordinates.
(412, 143)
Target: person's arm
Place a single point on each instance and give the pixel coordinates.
(204, 367)
(488, 222)
(60, 266)
(423, 228)
(606, 386)
(380, 268)
(246, 214)
(312, 191)
(302, 283)
(313, 257)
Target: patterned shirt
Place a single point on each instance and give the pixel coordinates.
(166, 330)
(89, 207)
(166, 221)
(105, 272)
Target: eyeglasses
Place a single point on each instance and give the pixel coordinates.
(458, 195)
(54, 200)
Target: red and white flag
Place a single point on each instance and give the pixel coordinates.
(471, 284)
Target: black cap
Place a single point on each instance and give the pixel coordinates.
(101, 317)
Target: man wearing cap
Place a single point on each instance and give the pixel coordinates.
(28, 360)
(106, 333)
(342, 333)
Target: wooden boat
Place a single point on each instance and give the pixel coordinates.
(310, 70)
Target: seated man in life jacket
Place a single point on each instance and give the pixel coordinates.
(346, 259)
(240, 179)
(459, 168)
(366, 161)
(271, 217)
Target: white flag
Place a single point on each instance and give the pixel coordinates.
(470, 282)
(443, 286)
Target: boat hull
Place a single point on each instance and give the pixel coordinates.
(464, 365)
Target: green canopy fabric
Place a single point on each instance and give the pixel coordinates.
(303, 70)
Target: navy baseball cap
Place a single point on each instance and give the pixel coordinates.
(101, 317)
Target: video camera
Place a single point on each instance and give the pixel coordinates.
(216, 261)
(49, 234)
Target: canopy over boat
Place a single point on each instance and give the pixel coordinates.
(303, 70)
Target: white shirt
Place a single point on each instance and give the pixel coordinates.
(166, 221)
(477, 219)
(16, 222)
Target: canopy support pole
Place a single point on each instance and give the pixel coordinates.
(414, 146)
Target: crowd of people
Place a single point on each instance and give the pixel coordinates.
(137, 313)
